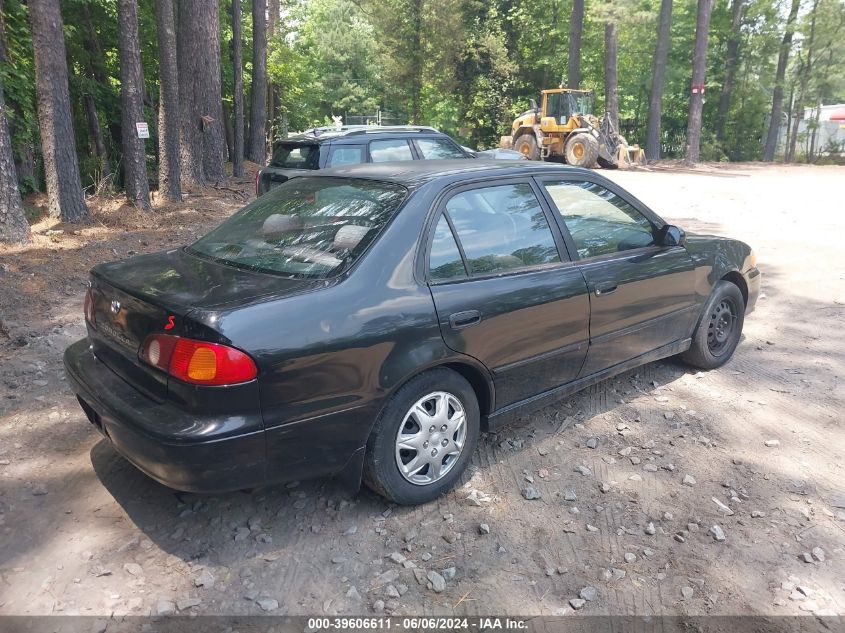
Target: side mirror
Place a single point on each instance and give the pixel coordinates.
(671, 235)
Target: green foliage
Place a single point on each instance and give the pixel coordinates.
(17, 73)
(467, 67)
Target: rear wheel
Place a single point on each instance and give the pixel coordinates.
(582, 150)
(720, 328)
(526, 144)
(423, 439)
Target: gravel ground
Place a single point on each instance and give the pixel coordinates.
(664, 491)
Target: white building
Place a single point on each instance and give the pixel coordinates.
(830, 134)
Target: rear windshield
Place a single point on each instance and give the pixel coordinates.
(296, 156)
(305, 227)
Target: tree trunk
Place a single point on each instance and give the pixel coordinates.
(658, 81)
(229, 133)
(417, 62)
(96, 66)
(203, 146)
(132, 105)
(94, 127)
(257, 149)
(169, 171)
(777, 95)
(806, 71)
(58, 143)
(13, 226)
(576, 27)
(699, 66)
(611, 81)
(731, 59)
(273, 96)
(237, 66)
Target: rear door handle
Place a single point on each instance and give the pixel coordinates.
(460, 320)
(605, 289)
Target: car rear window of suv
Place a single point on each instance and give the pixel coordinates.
(306, 227)
(296, 156)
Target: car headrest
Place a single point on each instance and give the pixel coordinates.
(278, 223)
(349, 236)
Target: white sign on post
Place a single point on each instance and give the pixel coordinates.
(143, 129)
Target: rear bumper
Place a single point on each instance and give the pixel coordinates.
(212, 453)
(753, 279)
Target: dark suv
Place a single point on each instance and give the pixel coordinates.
(323, 147)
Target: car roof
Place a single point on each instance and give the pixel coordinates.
(413, 173)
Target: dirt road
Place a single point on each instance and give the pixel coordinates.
(760, 444)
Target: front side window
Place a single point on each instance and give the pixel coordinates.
(346, 155)
(553, 105)
(305, 227)
(296, 156)
(599, 221)
(432, 148)
(389, 150)
(502, 228)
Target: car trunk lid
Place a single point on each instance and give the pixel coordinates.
(156, 294)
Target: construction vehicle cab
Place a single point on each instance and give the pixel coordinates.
(565, 126)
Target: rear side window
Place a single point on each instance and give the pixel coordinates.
(431, 148)
(445, 260)
(502, 228)
(389, 150)
(346, 155)
(305, 227)
(296, 156)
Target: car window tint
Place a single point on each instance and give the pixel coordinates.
(502, 228)
(294, 156)
(600, 222)
(445, 261)
(346, 155)
(383, 151)
(438, 148)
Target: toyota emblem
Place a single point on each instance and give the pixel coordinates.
(115, 307)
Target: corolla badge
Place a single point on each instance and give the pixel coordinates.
(115, 307)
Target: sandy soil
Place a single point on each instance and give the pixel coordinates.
(82, 532)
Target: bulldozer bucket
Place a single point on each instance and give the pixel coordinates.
(628, 156)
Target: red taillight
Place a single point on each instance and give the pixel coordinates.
(197, 362)
(89, 307)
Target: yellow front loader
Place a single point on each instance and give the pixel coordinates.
(565, 127)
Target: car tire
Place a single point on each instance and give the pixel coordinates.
(719, 328)
(526, 144)
(582, 150)
(401, 418)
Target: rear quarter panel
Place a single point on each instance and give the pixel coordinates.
(329, 357)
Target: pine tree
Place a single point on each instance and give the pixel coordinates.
(699, 66)
(58, 145)
(257, 150)
(132, 105)
(169, 171)
(658, 81)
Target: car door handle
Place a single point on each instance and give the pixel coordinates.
(605, 289)
(460, 320)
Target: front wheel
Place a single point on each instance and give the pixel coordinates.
(720, 328)
(581, 150)
(423, 439)
(526, 145)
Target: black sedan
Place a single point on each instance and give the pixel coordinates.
(369, 321)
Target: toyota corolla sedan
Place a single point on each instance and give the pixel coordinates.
(369, 321)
